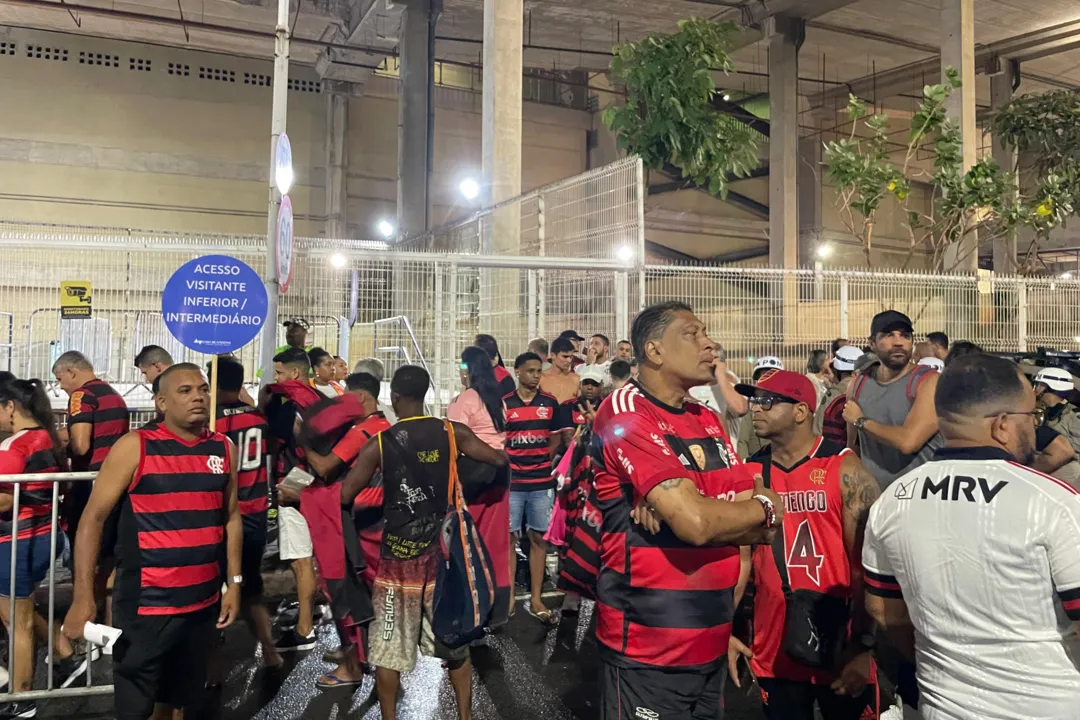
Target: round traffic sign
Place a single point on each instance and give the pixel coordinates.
(214, 304)
(284, 244)
(283, 169)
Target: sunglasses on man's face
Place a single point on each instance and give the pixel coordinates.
(766, 402)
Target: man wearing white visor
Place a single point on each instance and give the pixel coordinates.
(829, 418)
(1052, 388)
(749, 443)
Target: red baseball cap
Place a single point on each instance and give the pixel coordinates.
(791, 385)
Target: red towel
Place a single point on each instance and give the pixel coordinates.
(296, 391)
(491, 513)
(334, 544)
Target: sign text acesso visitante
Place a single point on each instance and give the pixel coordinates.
(214, 304)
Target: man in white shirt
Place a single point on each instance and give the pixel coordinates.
(972, 561)
(598, 354)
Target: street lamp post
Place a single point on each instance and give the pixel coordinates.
(277, 129)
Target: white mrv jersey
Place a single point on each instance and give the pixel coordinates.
(986, 555)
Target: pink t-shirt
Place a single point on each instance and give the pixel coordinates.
(468, 409)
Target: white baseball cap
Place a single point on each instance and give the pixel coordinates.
(845, 358)
(1056, 379)
(592, 372)
(933, 362)
(769, 361)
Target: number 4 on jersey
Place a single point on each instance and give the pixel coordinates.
(804, 553)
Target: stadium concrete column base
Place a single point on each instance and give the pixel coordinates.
(502, 309)
(414, 104)
(958, 53)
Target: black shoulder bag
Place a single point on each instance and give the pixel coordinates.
(815, 624)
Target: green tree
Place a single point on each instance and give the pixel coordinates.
(982, 201)
(1044, 131)
(668, 117)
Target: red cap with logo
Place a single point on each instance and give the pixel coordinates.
(792, 385)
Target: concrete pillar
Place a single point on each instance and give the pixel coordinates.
(785, 35)
(502, 116)
(337, 123)
(809, 172)
(414, 104)
(1001, 91)
(958, 52)
(501, 305)
(603, 149)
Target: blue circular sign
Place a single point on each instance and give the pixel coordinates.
(214, 304)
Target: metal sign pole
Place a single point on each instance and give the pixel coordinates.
(270, 280)
(213, 392)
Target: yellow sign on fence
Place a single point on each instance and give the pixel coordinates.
(75, 299)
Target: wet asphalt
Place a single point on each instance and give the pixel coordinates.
(526, 672)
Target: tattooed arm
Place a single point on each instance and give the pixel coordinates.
(858, 490)
(701, 520)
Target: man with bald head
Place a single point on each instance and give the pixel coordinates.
(175, 486)
(971, 562)
(97, 419)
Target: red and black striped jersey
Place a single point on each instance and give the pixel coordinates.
(172, 525)
(97, 403)
(370, 499)
(659, 600)
(29, 451)
(247, 428)
(529, 426)
(505, 380)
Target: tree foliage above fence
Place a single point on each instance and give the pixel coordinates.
(668, 118)
(1044, 130)
(983, 201)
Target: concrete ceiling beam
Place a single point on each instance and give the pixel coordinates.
(751, 16)
(911, 77)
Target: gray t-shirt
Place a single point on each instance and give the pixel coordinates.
(890, 404)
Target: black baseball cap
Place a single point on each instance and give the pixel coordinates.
(572, 335)
(886, 322)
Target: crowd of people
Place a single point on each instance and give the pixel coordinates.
(891, 524)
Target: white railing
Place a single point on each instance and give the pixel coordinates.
(49, 692)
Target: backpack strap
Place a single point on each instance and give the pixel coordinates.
(779, 543)
(915, 378)
(454, 497)
(853, 393)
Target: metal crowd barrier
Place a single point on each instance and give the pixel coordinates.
(49, 692)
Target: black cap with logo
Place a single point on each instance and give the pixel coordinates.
(886, 322)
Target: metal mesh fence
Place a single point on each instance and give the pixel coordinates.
(425, 300)
(755, 312)
(598, 214)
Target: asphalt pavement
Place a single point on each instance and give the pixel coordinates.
(525, 672)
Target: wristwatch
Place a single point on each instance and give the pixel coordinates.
(860, 423)
(236, 580)
(868, 642)
(770, 511)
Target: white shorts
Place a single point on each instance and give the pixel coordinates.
(294, 538)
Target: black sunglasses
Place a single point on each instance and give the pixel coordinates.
(766, 403)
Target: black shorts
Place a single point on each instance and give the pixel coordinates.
(251, 557)
(791, 700)
(162, 659)
(788, 700)
(646, 694)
